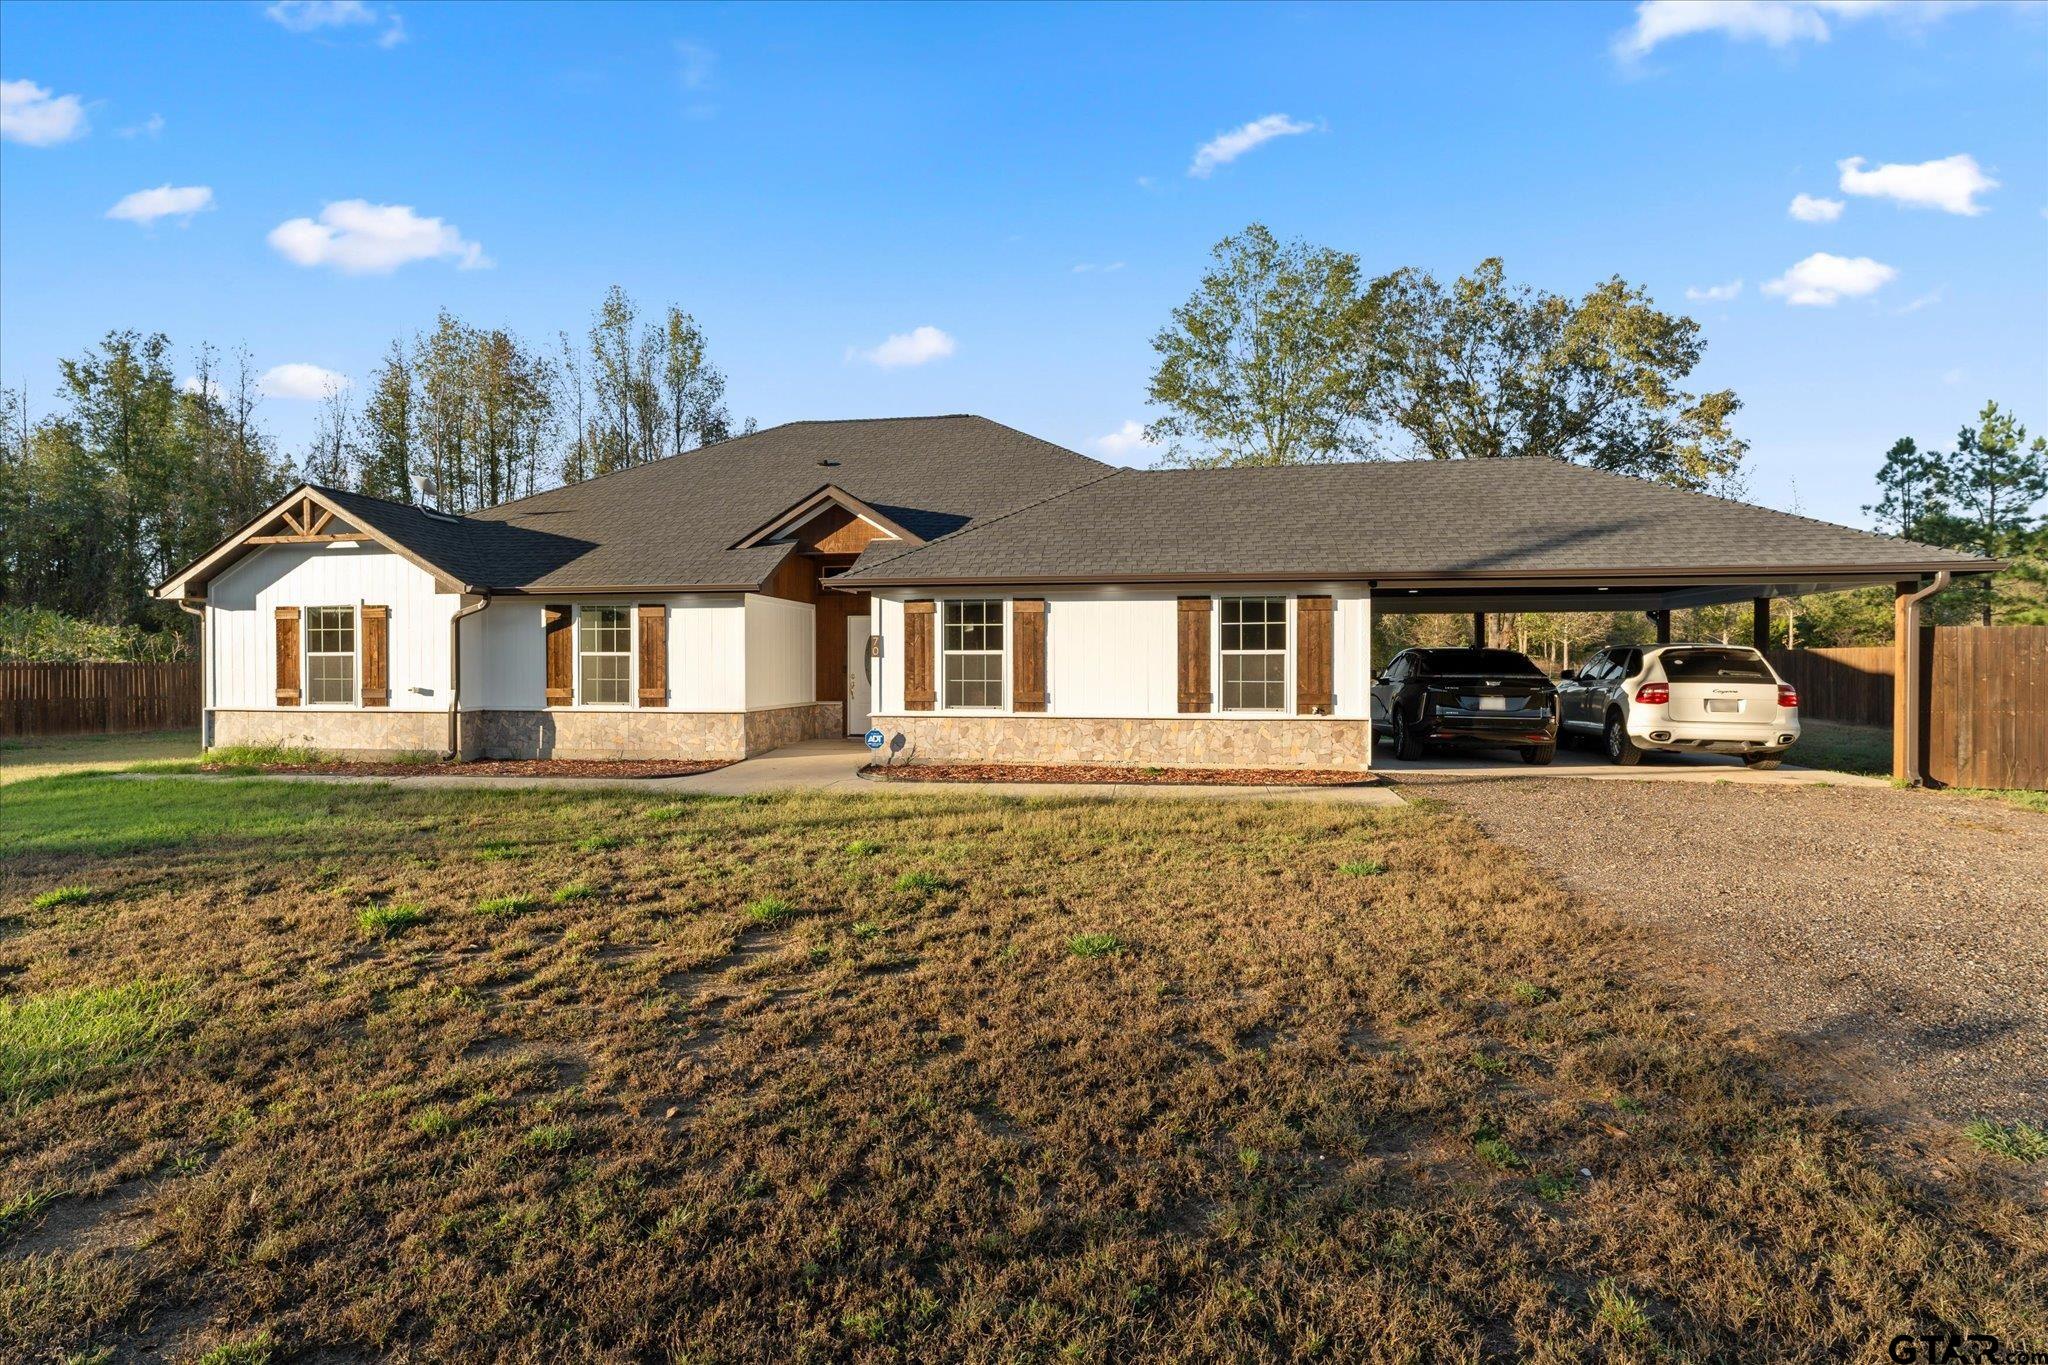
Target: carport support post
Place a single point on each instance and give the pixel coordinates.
(1663, 622)
(1478, 630)
(1760, 623)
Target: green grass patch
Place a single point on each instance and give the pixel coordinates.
(260, 1349)
(598, 843)
(1529, 993)
(573, 891)
(1094, 945)
(431, 1123)
(507, 905)
(2021, 1142)
(1489, 1147)
(665, 813)
(920, 881)
(23, 1209)
(502, 851)
(1617, 1311)
(769, 910)
(50, 1041)
(1555, 1188)
(550, 1137)
(61, 895)
(1363, 867)
(263, 756)
(864, 848)
(382, 921)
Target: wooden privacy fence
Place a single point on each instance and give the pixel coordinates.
(1853, 685)
(83, 699)
(1985, 722)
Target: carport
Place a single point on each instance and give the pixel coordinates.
(1659, 591)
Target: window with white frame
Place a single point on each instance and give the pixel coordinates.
(971, 653)
(1254, 640)
(330, 656)
(604, 656)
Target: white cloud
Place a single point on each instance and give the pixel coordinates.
(165, 201)
(1125, 440)
(1914, 305)
(357, 237)
(915, 347)
(1776, 23)
(153, 126)
(1951, 184)
(1090, 268)
(29, 113)
(696, 64)
(302, 381)
(308, 16)
(1822, 279)
(1225, 148)
(190, 384)
(1714, 293)
(1809, 209)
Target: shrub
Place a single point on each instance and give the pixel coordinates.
(37, 635)
(382, 921)
(1094, 945)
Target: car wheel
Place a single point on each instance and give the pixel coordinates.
(1539, 754)
(1766, 761)
(1620, 748)
(1407, 744)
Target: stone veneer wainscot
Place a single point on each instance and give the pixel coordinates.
(1177, 742)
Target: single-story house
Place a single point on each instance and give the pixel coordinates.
(971, 591)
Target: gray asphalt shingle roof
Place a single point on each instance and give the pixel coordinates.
(1397, 519)
(672, 523)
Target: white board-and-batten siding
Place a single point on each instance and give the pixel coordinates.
(1115, 654)
(504, 650)
(241, 616)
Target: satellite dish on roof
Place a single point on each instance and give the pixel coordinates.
(425, 491)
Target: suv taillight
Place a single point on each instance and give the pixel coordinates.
(1788, 696)
(1653, 694)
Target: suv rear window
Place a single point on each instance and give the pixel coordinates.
(1714, 665)
(1461, 662)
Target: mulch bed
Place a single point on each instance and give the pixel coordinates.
(512, 767)
(1104, 773)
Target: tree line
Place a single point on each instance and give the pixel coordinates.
(137, 472)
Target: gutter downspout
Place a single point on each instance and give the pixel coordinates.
(1913, 683)
(198, 613)
(455, 667)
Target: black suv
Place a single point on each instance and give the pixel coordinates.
(1480, 697)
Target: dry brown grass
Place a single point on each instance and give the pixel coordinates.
(1298, 1109)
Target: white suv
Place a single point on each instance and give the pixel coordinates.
(1717, 699)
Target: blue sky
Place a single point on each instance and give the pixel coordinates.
(811, 182)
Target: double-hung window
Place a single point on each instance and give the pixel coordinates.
(330, 656)
(1254, 640)
(604, 656)
(971, 654)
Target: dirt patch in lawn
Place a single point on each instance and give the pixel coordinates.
(494, 767)
(1121, 776)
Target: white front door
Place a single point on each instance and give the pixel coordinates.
(859, 675)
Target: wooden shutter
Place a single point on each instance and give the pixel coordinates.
(1194, 654)
(653, 654)
(1315, 661)
(1027, 649)
(287, 656)
(561, 638)
(376, 656)
(918, 692)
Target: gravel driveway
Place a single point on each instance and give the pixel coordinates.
(1901, 936)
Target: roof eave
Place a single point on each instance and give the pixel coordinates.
(880, 578)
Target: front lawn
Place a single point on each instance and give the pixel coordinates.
(478, 1075)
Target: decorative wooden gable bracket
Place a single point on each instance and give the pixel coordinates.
(304, 523)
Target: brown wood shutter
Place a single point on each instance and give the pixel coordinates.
(653, 654)
(287, 656)
(560, 626)
(1027, 619)
(1315, 651)
(1194, 654)
(376, 656)
(918, 692)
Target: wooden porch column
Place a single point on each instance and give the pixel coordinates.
(1760, 623)
(1478, 630)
